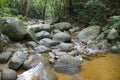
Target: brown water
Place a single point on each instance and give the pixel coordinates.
(102, 68)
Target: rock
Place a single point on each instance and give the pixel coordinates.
(65, 46)
(31, 34)
(17, 60)
(74, 29)
(116, 47)
(3, 41)
(74, 53)
(31, 44)
(33, 73)
(0, 75)
(14, 28)
(9, 74)
(58, 52)
(88, 33)
(113, 34)
(62, 37)
(104, 45)
(32, 61)
(47, 75)
(56, 31)
(62, 26)
(101, 36)
(42, 49)
(43, 34)
(67, 64)
(47, 42)
(4, 56)
(40, 27)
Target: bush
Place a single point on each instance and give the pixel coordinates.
(113, 22)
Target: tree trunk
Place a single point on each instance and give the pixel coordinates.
(44, 10)
(25, 8)
(70, 7)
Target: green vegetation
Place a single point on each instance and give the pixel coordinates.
(79, 12)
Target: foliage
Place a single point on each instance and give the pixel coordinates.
(113, 22)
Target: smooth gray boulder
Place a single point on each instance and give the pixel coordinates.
(42, 49)
(67, 64)
(113, 34)
(31, 44)
(88, 33)
(42, 34)
(62, 26)
(14, 28)
(17, 60)
(62, 37)
(32, 61)
(4, 56)
(47, 42)
(9, 74)
(65, 46)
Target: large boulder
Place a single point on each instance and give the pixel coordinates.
(17, 60)
(62, 26)
(62, 37)
(13, 28)
(89, 33)
(9, 74)
(67, 64)
(4, 56)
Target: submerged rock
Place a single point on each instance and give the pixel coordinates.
(9, 74)
(68, 64)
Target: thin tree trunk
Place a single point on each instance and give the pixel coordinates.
(44, 10)
(26, 8)
(70, 7)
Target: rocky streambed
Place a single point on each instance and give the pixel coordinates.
(49, 52)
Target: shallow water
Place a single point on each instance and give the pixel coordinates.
(102, 68)
(106, 67)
